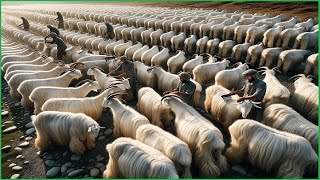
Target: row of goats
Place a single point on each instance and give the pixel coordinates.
(284, 60)
(224, 26)
(258, 55)
(285, 142)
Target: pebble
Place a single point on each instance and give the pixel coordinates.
(15, 176)
(24, 144)
(94, 172)
(239, 169)
(21, 137)
(29, 125)
(30, 131)
(65, 167)
(100, 159)
(70, 170)
(11, 165)
(8, 122)
(18, 104)
(53, 172)
(75, 158)
(44, 154)
(101, 138)
(49, 163)
(38, 152)
(26, 162)
(19, 156)
(108, 132)
(75, 173)
(11, 140)
(49, 157)
(6, 149)
(65, 153)
(4, 113)
(28, 138)
(17, 168)
(103, 168)
(99, 165)
(10, 129)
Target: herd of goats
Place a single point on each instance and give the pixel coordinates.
(214, 46)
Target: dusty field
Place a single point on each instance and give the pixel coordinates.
(21, 116)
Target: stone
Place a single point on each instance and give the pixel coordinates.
(8, 122)
(17, 104)
(100, 159)
(99, 165)
(49, 157)
(53, 172)
(108, 132)
(18, 149)
(65, 167)
(75, 158)
(15, 176)
(70, 170)
(4, 113)
(26, 162)
(19, 156)
(21, 137)
(6, 149)
(65, 153)
(29, 125)
(94, 172)
(28, 138)
(11, 165)
(17, 168)
(103, 168)
(101, 138)
(24, 144)
(75, 173)
(30, 131)
(10, 129)
(239, 170)
(11, 140)
(39, 152)
(49, 163)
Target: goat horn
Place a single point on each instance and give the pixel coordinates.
(173, 95)
(96, 67)
(276, 70)
(263, 68)
(298, 75)
(115, 94)
(312, 76)
(83, 81)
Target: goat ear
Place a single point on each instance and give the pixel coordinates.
(90, 129)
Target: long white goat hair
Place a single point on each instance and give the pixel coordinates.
(126, 120)
(230, 78)
(68, 129)
(223, 111)
(149, 104)
(174, 148)
(91, 106)
(276, 92)
(27, 86)
(130, 158)
(305, 98)
(203, 138)
(284, 118)
(41, 94)
(269, 149)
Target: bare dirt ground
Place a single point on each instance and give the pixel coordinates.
(21, 116)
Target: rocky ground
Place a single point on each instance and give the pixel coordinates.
(20, 158)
